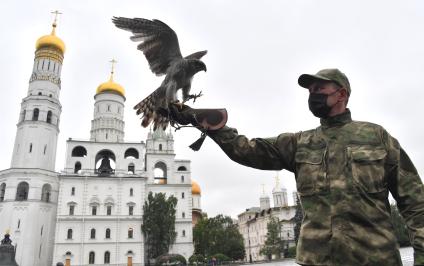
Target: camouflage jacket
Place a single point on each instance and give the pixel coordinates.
(344, 171)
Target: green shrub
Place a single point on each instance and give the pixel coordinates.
(292, 252)
(196, 259)
(170, 259)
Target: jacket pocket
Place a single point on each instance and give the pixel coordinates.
(310, 171)
(367, 166)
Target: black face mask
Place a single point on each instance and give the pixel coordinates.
(318, 104)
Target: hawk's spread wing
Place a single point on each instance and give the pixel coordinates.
(159, 42)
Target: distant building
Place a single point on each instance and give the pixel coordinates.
(253, 222)
(196, 211)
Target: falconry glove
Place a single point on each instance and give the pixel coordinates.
(203, 119)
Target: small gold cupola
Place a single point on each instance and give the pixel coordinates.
(110, 85)
(51, 40)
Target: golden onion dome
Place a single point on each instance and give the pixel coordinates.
(195, 188)
(51, 40)
(111, 86)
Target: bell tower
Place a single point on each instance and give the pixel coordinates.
(38, 125)
(29, 188)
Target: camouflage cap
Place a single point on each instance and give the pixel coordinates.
(330, 74)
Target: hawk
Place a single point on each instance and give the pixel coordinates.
(159, 44)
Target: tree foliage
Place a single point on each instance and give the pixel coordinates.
(218, 235)
(401, 231)
(298, 217)
(159, 223)
(274, 245)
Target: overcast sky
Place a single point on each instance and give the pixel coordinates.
(256, 51)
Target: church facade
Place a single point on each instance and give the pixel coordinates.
(91, 212)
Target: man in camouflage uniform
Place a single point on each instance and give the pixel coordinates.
(344, 172)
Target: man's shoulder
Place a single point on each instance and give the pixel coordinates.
(366, 125)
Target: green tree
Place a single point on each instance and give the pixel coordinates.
(401, 231)
(218, 235)
(298, 217)
(274, 245)
(159, 224)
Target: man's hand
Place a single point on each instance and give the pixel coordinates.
(181, 114)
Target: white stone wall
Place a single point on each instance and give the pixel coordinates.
(31, 222)
(103, 191)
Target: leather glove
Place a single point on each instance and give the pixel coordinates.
(183, 116)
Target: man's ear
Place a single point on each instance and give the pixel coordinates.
(344, 95)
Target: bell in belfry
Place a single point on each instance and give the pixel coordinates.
(7, 252)
(105, 169)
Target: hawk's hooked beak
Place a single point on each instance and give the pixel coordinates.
(203, 68)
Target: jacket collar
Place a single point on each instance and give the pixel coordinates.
(337, 120)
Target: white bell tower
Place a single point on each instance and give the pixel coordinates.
(29, 189)
(38, 125)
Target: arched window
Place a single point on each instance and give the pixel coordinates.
(107, 257)
(131, 153)
(69, 234)
(39, 93)
(49, 117)
(93, 233)
(131, 169)
(35, 114)
(160, 173)
(22, 191)
(131, 192)
(46, 192)
(182, 168)
(79, 151)
(107, 233)
(77, 167)
(2, 191)
(71, 209)
(91, 257)
(109, 210)
(94, 210)
(130, 233)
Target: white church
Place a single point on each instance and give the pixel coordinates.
(91, 212)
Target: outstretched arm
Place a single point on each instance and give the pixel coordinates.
(262, 153)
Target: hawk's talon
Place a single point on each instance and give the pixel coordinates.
(193, 96)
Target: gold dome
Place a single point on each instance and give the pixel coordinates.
(51, 40)
(195, 188)
(110, 86)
